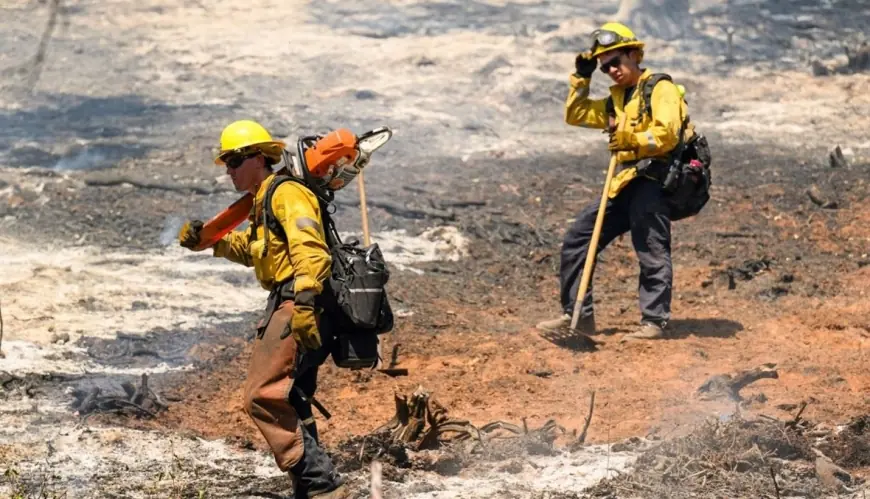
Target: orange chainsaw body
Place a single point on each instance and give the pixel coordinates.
(335, 149)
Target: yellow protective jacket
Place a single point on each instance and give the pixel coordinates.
(304, 256)
(657, 135)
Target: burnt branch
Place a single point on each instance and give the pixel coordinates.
(726, 385)
(858, 57)
(582, 438)
(775, 485)
(39, 59)
(141, 400)
(101, 179)
(394, 357)
(420, 422)
(2, 355)
(404, 211)
(797, 417)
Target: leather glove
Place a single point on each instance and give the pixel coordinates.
(585, 64)
(303, 322)
(623, 140)
(188, 236)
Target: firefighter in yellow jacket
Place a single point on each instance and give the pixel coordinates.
(289, 345)
(643, 136)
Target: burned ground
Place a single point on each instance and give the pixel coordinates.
(744, 285)
(97, 173)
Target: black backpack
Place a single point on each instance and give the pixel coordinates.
(354, 297)
(686, 179)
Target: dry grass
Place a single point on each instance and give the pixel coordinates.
(737, 458)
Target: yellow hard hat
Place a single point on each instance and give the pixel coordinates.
(614, 36)
(246, 135)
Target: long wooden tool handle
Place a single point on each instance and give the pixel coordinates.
(364, 210)
(593, 245)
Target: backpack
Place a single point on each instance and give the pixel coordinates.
(354, 297)
(687, 178)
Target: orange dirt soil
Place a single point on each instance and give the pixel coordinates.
(481, 363)
(471, 340)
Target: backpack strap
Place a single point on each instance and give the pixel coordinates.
(645, 106)
(646, 90)
(273, 225)
(269, 219)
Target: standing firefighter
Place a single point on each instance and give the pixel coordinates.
(289, 346)
(651, 136)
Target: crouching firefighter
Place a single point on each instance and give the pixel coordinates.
(662, 175)
(292, 340)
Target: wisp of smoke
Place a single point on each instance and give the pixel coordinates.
(86, 158)
(171, 226)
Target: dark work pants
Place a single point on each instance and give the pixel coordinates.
(641, 209)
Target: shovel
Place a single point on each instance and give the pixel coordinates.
(593, 249)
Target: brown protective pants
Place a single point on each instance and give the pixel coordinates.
(267, 389)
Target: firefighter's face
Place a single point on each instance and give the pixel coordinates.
(620, 66)
(245, 172)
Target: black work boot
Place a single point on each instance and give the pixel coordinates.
(314, 474)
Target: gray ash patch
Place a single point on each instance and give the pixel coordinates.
(32, 385)
(60, 123)
(174, 348)
(379, 19)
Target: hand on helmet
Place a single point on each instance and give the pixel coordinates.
(585, 64)
(188, 236)
(623, 140)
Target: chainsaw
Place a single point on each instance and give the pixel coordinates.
(325, 163)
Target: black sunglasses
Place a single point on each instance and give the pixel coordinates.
(612, 63)
(237, 160)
